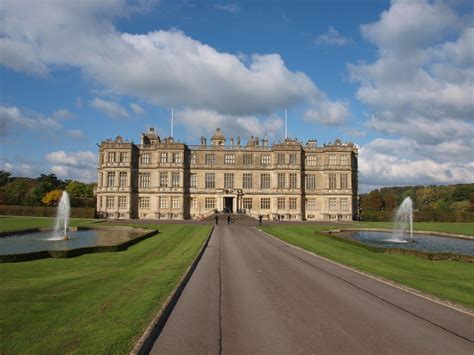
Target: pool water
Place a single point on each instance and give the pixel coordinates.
(422, 242)
(41, 241)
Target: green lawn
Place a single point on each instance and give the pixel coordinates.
(451, 280)
(8, 223)
(95, 303)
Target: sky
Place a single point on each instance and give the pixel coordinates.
(394, 77)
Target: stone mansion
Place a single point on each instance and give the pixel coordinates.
(165, 179)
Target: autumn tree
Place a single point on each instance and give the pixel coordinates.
(52, 198)
(79, 189)
(372, 201)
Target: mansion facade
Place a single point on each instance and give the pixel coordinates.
(165, 179)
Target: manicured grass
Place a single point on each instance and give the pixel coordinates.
(95, 303)
(451, 280)
(8, 223)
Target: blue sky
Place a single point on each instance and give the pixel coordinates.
(394, 77)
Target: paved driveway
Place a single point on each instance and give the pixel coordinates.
(252, 294)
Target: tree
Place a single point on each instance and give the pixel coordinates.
(4, 177)
(390, 202)
(425, 197)
(79, 189)
(52, 198)
(373, 201)
(14, 192)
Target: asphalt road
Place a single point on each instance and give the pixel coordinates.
(252, 294)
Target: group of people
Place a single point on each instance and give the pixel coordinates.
(231, 219)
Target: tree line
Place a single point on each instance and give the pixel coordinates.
(45, 190)
(439, 199)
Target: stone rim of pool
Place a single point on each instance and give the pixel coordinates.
(123, 238)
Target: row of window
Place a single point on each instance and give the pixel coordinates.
(210, 203)
(229, 159)
(143, 202)
(144, 180)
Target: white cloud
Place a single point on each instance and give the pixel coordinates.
(12, 117)
(332, 37)
(76, 133)
(232, 8)
(386, 162)
(81, 165)
(328, 112)
(204, 122)
(110, 108)
(165, 68)
(137, 109)
(420, 88)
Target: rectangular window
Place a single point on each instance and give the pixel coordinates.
(164, 179)
(265, 203)
(193, 180)
(111, 157)
(281, 203)
(122, 201)
(332, 204)
(247, 181)
(247, 203)
(229, 159)
(332, 181)
(228, 180)
(210, 180)
(281, 159)
(265, 159)
(310, 182)
(209, 203)
(293, 203)
(144, 202)
(145, 158)
(163, 202)
(163, 157)
(265, 181)
(344, 204)
(292, 159)
(344, 160)
(293, 181)
(175, 202)
(332, 159)
(210, 159)
(248, 159)
(144, 180)
(311, 159)
(343, 181)
(110, 201)
(281, 181)
(123, 157)
(193, 202)
(194, 159)
(111, 179)
(123, 178)
(175, 179)
(311, 204)
(176, 158)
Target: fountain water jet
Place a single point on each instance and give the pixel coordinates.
(62, 217)
(404, 220)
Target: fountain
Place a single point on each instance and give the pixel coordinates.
(62, 218)
(404, 222)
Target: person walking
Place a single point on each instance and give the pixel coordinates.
(228, 219)
(260, 217)
(217, 219)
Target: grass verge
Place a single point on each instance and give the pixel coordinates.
(450, 280)
(95, 303)
(457, 228)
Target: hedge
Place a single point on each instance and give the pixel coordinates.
(420, 216)
(39, 211)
